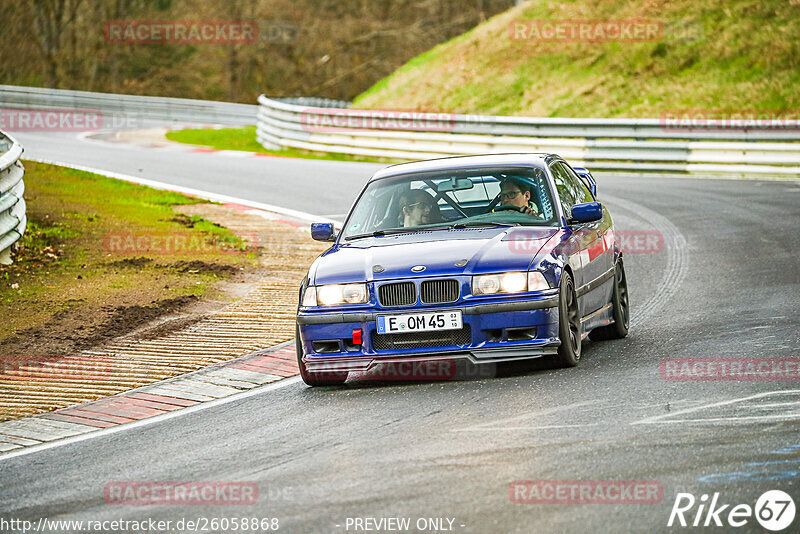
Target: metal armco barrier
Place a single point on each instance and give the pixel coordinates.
(618, 145)
(12, 205)
(313, 101)
(138, 107)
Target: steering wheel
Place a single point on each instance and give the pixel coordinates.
(509, 207)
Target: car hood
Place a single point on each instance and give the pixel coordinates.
(484, 250)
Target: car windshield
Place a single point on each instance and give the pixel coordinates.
(453, 198)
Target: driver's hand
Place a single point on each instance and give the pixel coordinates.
(529, 211)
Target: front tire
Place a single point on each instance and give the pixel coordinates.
(327, 378)
(569, 324)
(620, 309)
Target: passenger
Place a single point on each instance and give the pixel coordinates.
(418, 208)
(513, 193)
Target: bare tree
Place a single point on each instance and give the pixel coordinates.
(51, 22)
(338, 48)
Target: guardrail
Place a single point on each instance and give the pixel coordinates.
(618, 145)
(139, 107)
(12, 205)
(314, 101)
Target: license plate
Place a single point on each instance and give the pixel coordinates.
(419, 322)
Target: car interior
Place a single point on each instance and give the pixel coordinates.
(458, 197)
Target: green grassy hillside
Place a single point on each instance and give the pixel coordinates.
(720, 55)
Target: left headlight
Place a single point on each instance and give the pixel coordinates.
(491, 284)
(334, 294)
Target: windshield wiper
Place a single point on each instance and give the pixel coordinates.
(392, 231)
(376, 233)
(456, 226)
(478, 224)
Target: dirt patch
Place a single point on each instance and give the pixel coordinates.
(189, 222)
(198, 266)
(183, 266)
(132, 262)
(180, 218)
(123, 320)
(74, 329)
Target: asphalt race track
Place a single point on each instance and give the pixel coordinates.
(288, 182)
(725, 283)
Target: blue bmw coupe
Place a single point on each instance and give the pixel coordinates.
(487, 258)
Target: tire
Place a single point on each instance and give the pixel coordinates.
(569, 324)
(620, 307)
(328, 379)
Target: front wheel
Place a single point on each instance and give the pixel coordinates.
(620, 309)
(321, 379)
(569, 324)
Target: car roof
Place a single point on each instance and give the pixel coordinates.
(467, 162)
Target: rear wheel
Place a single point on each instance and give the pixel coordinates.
(620, 309)
(316, 379)
(569, 324)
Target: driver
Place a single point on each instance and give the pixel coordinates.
(512, 193)
(418, 208)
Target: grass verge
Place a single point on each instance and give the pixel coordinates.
(102, 256)
(717, 56)
(244, 139)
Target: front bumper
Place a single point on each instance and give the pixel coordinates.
(493, 332)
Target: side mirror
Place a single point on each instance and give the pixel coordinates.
(587, 176)
(323, 232)
(587, 212)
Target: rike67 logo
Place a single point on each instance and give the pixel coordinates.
(774, 510)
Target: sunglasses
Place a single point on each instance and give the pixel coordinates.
(510, 195)
(422, 205)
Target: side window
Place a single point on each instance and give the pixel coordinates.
(372, 211)
(567, 193)
(583, 193)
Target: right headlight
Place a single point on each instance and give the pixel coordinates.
(333, 294)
